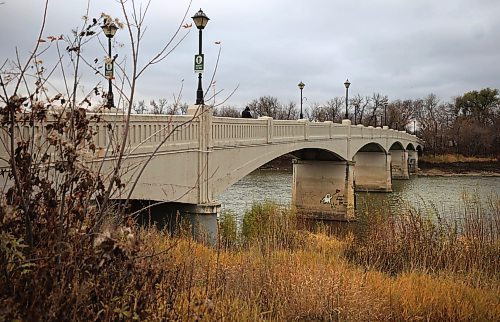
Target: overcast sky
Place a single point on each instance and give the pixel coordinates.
(400, 48)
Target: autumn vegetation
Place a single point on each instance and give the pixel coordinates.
(69, 252)
(404, 267)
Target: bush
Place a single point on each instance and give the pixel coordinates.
(271, 226)
(228, 229)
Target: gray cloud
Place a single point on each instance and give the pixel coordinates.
(404, 49)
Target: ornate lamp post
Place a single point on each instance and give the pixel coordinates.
(200, 20)
(301, 86)
(385, 113)
(356, 108)
(347, 84)
(109, 30)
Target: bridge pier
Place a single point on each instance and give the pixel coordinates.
(203, 219)
(399, 165)
(412, 161)
(172, 215)
(324, 189)
(373, 171)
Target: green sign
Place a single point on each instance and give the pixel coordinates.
(198, 63)
(108, 70)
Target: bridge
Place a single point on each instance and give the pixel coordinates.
(194, 158)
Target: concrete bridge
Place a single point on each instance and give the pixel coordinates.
(205, 155)
(199, 156)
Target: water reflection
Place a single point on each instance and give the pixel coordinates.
(442, 193)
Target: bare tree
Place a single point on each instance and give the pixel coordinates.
(334, 109)
(160, 107)
(265, 106)
(227, 111)
(400, 113)
(288, 111)
(359, 103)
(140, 107)
(377, 108)
(44, 135)
(319, 113)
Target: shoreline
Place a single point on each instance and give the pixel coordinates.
(426, 169)
(459, 169)
(439, 173)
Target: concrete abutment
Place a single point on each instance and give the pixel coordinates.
(412, 161)
(399, 164)
(324, 189)
(373, 172)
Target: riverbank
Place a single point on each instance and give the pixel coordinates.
(479, 167)
(440, 166)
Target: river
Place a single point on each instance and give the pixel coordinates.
(441, 193)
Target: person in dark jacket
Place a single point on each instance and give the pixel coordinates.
(246, 113)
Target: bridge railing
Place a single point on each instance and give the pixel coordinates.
(319, 130)
(183, 131)
(288, 130)
(146, 132)
(236, 131)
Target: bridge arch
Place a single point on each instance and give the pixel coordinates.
(371, 147)
(397, 146)
(372, 168)
(230, 167)
(316, 154)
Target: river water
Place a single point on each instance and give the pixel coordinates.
(443, 194)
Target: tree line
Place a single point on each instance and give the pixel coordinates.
(468, 124)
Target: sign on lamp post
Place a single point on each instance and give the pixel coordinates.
(198, 63)
(108, 70)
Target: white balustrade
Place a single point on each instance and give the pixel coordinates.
(182, 132)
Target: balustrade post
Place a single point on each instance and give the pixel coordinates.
(205, 147)
(305, 128)
(330, 128)
(269, 121)
(208, 123)
(347, 124)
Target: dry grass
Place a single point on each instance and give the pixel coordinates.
(281, 274)
(316, 283)
(414, 241)
(452, 158)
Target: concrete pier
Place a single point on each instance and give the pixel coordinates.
(324, 189)
(399, 164)
(412, 161)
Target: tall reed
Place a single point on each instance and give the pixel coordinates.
(422, 240)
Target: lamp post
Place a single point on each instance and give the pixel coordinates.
(301, 86)
(200, 20)
(109, 30)
(385, 113)
(356, 108)
(347, 84)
